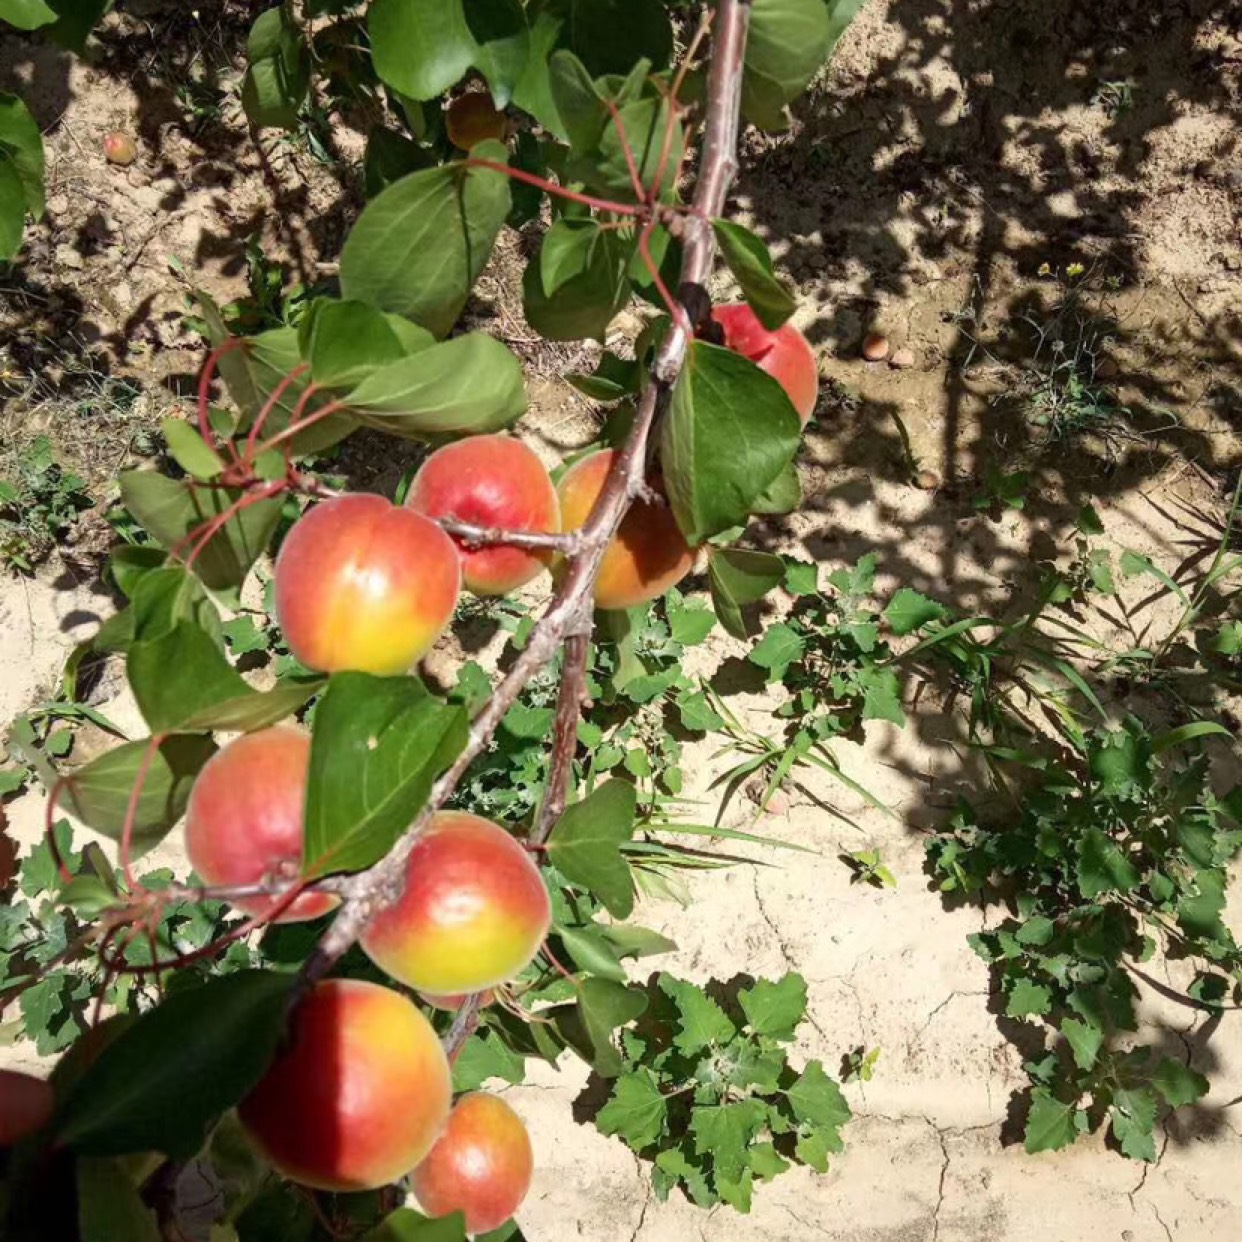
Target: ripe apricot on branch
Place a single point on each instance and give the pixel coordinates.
(362, 584)
(480, 1166)
(648, 555)
(491, 481)
(26, 1104)
(359, 1096)
(473, 913)
(473, 118)
(785, 354)
(244, 820)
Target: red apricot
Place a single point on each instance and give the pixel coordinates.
(473, 913)
(480, 1166)
(362, 584)
(473, 118)
(490, 481)
(785, 354)
(244, 822)
(26, 1105)
(648, 554)
(360, 1095)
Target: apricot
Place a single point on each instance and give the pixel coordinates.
(648, 554)
(473, 118)
(119, 148)
(244, 821)
(490, 481)
(481, 1165)
(473, 912)
(360, 1095)
(785, 354)
(362, 584)
(26, 1105)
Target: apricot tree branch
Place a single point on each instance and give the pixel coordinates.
(566, 622)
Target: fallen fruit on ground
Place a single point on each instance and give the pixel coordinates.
(473, 118)
(473, 913)
(481, 1166)
(360, 1095)
(491, 481)
(26, 1104)
(648, 554)
(244, 821)
(362, 584)
(119, 148)
(785, 354)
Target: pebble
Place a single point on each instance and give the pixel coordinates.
(902, 360)
(138, 178)
(68, 257)
(58, 204)
(927, 480)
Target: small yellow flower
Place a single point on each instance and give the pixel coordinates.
(1045, 269)
(1074, 270)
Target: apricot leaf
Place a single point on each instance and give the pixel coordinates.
(750, 262)
(378, 744)
(343, 342)
(737, 578)
(419, 245)
(585, 845)
(26, 14)
(579, 282)
(204, 1046)
(21, 171)
(729, 433)
(278, 76)
(788, 41)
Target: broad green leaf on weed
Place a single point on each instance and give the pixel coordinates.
(1037, 930)
(176, 511)
(774, 1008)
(378, 744)
(636, 1111)
(1102, 867)
(278, 75)
(1202, 903)
(789, 40)
(738, 578)
(672, 1161)
(1027, 999)
(631, 941)
(816, 1099)
(736, 1192)
(204, 1046)
(1084, 1039)
(38, 872)
(749, 260)
(690, 624)
(908, 611)
(1088, 520)
(1178, 1083)
(419, 246)
(109, 1205)
(1052, 1124)
(729, 432)
(472, 383)
(585, 845)
(697, 714)
(1134, 563)
(801, 577)
(766, 1162)
(483, 1058)
(724, 1132)
(703, 1023)
(99, 793)
(858, 581)
(881, 694)
(780, 646)
(816, 1144)
(1133, 1116)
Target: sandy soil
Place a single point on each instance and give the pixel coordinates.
(952, 150)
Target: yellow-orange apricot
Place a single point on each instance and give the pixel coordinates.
(481, 1166)
(362, 584)
(473, 912)
(648, 555)
(360, 1095)
(785, 354)
(490, 481)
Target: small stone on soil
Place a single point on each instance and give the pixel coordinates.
(902, 360)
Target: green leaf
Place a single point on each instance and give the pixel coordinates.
(908, 611)
(1188, 733)
(673, 1162)
(99, 793)
(171, 509)
(484, 1058)
(602, 1006)
(789, 40)
(1051, 1124)
(645, 122)
(783, 495)
(780, 646)
(76, 20)
(697, 714)
(109, 1205)
(345, 341)
(703, 1023)
(26, 14)
(502, 44)
(690, 624)
(21, 172)
(737, 578)
(1134, 1123)
(190, 451)
(774, 1008)
(1102, 867)
(378, 744)
(1085, 1040)
(724, 1132)
(470, 384)
(278, 76)
(750, 262)
(12, 209)
(881, 694)
(407, 1225)
(766, 1162)
(204, 1047)
(729, 432)
(611, 36)
(637, 1112)
(574, 291)
(1027, 999)
(419, 246)
(815, 1098)
(1202, 903)
(585, 845)
(420, 47)
(592, 953)
(816, 1145)
(1178, 1083)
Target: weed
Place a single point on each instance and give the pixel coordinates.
(39, 503)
